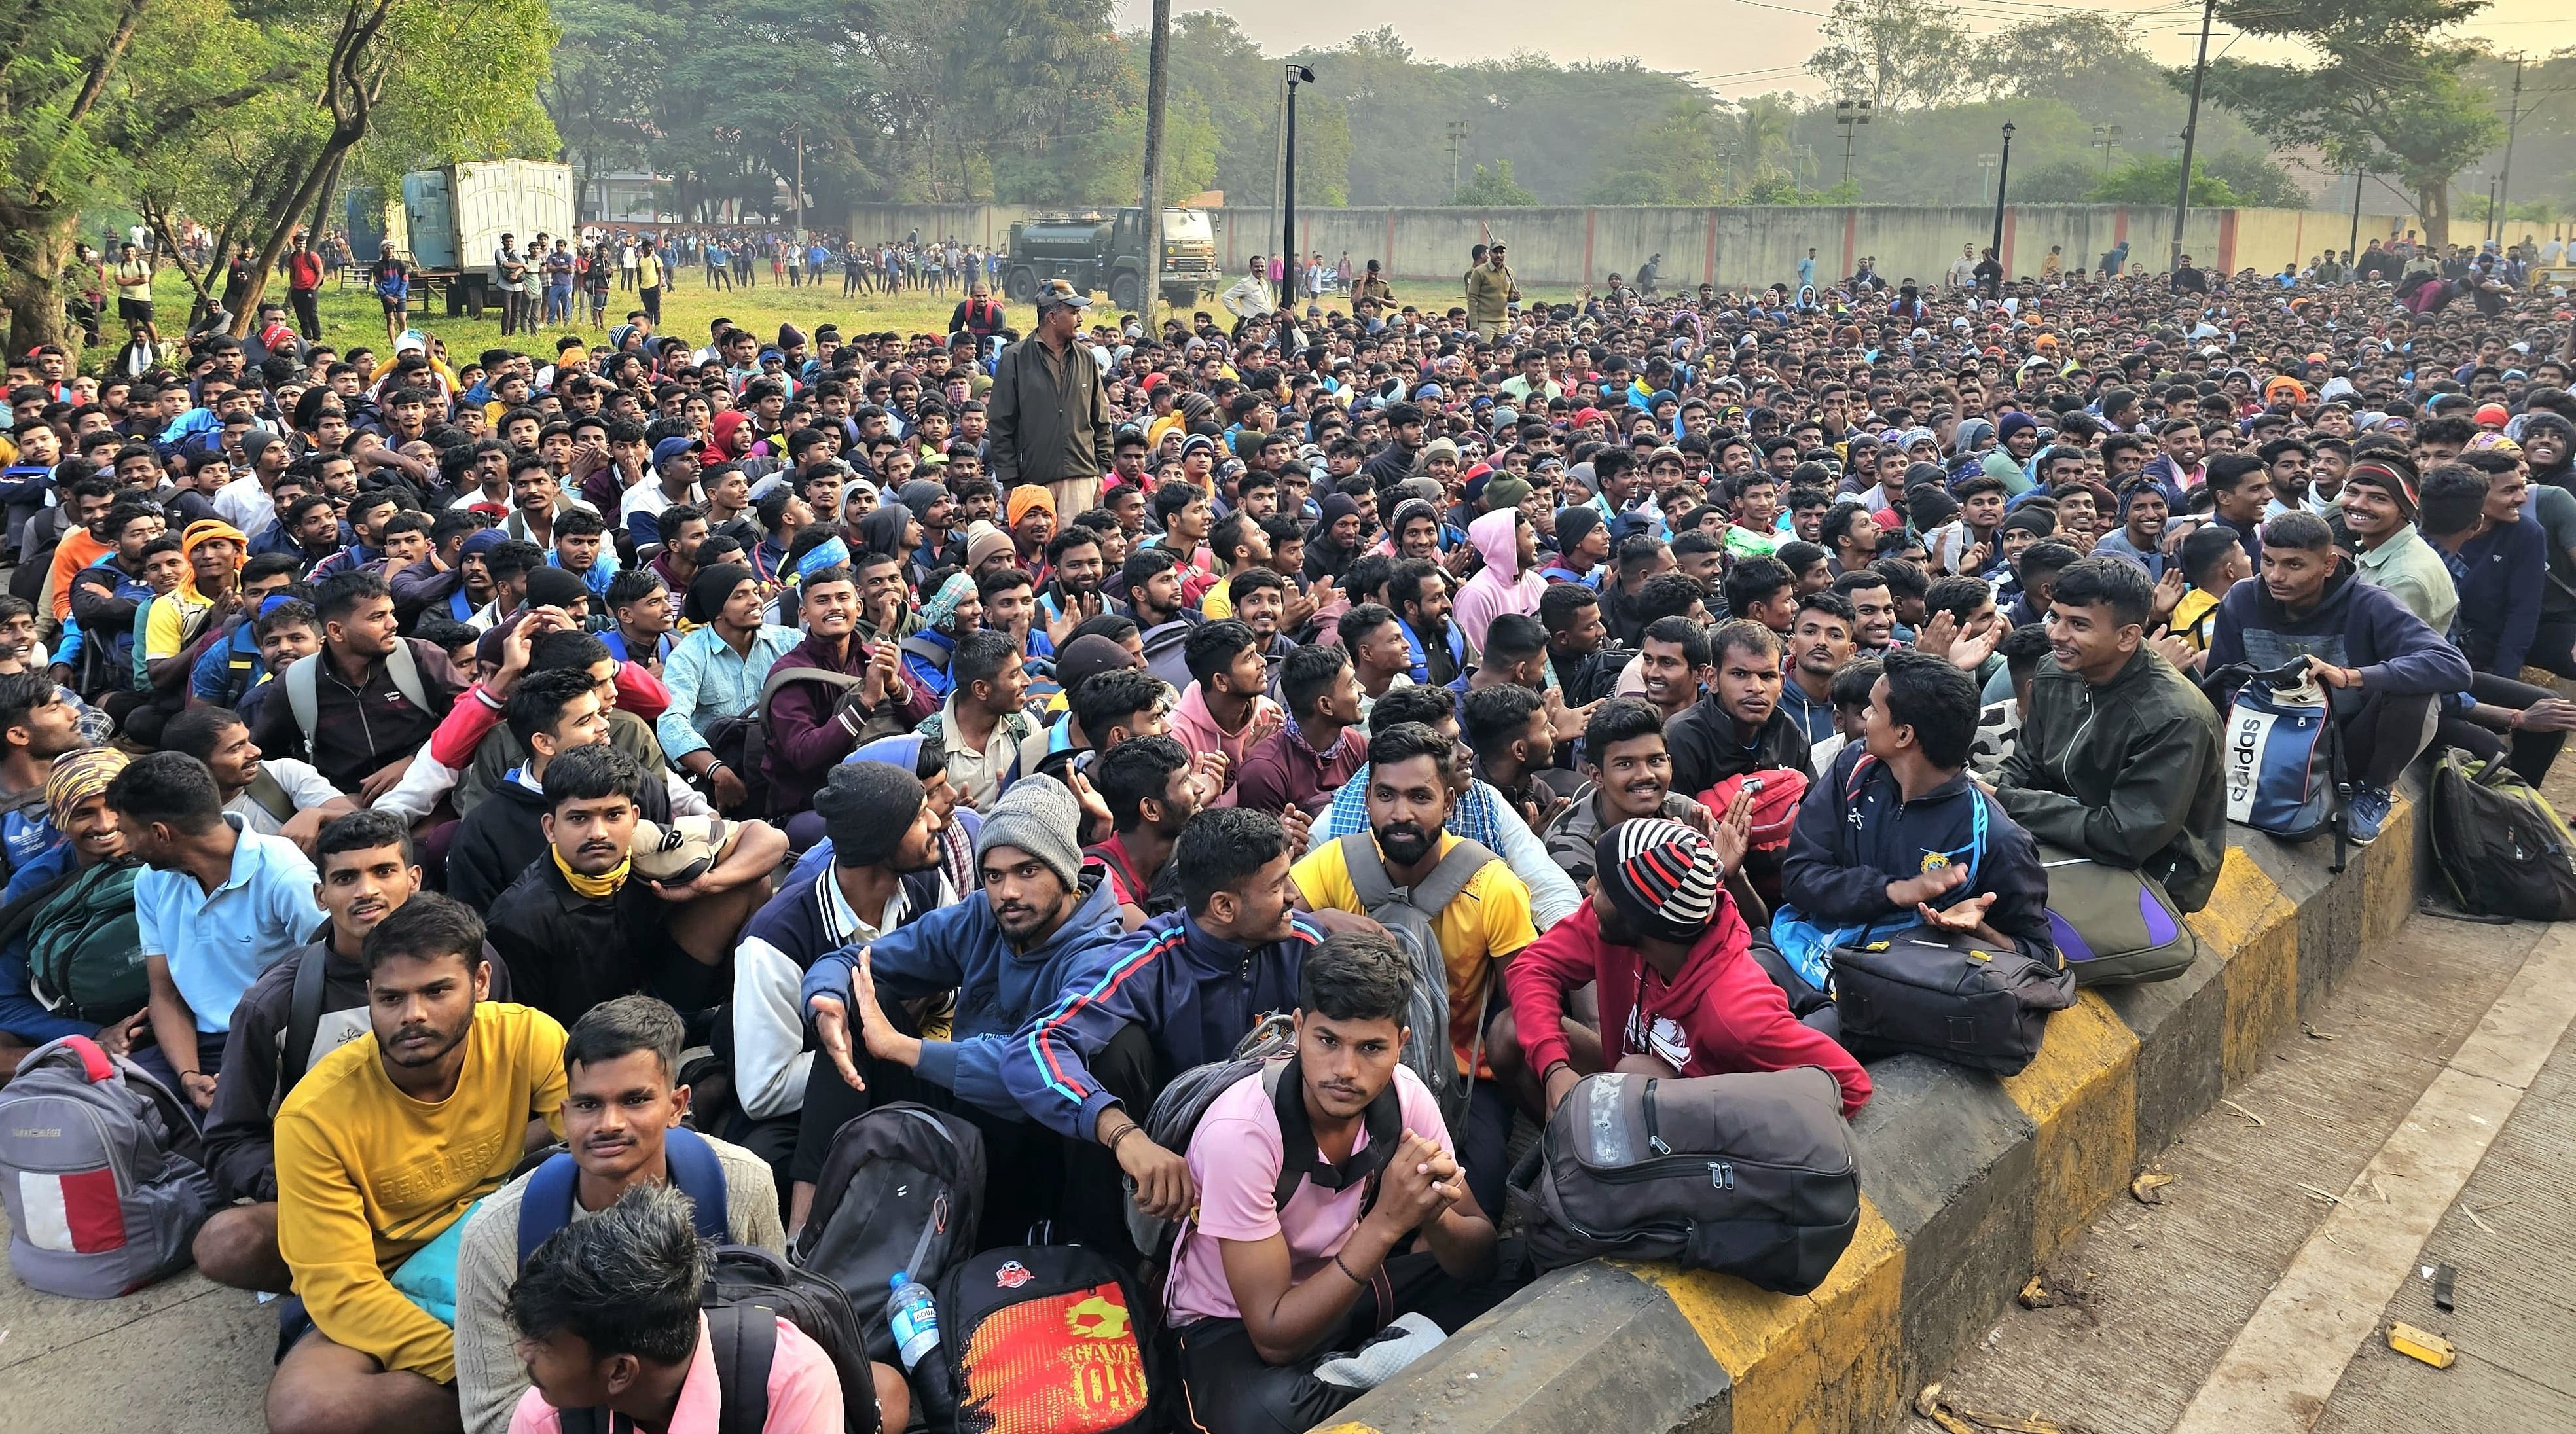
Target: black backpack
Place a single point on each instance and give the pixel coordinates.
(2501, 849)
(748, 1277)
(1045, 1338)
(745, 1341)
(1950, 997)
(1752, 1175)
(900, 1192)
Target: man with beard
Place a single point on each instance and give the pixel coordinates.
(1152, 788)
(1873, 605)
(1422, 603)
(368, 870)
(579, 926)
(1680, 990)
(1739, 726)
(1071, 594)
(1483, 925)
(884, 872)
(1043, 926)
(385, 1143)
(361, 708)
(1820, 642)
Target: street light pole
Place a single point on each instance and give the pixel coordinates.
(2504, 180)
(1157, 73)
(2003, 177)
(2352, 245)
(1457, 134)
(1297, 75)
(1851, 115)
(2190, 133)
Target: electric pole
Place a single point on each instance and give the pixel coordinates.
(2504, 180)
(2190, 133)
(1157, 74)
(1457, 133)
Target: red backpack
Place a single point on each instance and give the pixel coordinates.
(1776, 794)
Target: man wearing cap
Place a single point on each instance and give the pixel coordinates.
(1681, 993)
(675, 480)
(1042, 928)
(2379, 507)
(1490, 294)
(1049, 415)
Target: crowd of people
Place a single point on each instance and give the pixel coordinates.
(1011, 721)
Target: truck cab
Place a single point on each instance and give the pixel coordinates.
(1095, 252)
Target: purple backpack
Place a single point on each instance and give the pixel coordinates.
(104, 1175)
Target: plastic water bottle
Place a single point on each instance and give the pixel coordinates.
(912, 1314)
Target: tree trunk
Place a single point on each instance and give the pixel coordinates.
(2433, 202)
(34, 248)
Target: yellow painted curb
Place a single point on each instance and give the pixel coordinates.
(2081, 1094)
(2252, 926)
(1817, 1363)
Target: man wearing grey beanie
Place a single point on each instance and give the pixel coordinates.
(1039, 932)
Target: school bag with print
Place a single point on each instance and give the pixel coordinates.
(1045, 1339)
(105, 1177)
(2280, 757)
(900, 1191)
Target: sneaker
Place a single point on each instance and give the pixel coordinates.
(2367, 812)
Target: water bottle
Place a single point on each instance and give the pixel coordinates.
(912, 1314)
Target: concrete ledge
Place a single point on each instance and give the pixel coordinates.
(1969, 1184)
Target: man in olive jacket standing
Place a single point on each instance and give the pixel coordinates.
(1048, 418)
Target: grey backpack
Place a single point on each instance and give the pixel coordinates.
(1411, 917)
(104, 1175)
(1754, 1175)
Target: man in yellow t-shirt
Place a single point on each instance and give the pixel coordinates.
(648, 281)
(382, 1148)
(1409, 795)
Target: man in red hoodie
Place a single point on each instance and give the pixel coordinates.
(1680, 993)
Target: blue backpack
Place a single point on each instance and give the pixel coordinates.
(2282, 760)
(546, 1205)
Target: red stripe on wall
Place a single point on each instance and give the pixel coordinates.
(2227, 241)
(1708, 265)
(1587, 245)
(2012, 223)
(2120, 225)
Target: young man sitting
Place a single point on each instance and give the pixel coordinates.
(1672, 960)
(2382, 668)
(1894, 834)
(2117, 757)
(1739, 726)
(276, 796)
(1263, 1291)
(622, 1116)
(1409, 799)
(1303, 763)
(1630, 775)
(608, 1320)
(385, 1143)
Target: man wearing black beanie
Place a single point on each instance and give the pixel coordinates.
(884, 872)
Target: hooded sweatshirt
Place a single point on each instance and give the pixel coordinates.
(999, 987)
(1501, 586)
(2353, 625)
(1719, 1016)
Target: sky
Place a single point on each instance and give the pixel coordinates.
(1740, 47)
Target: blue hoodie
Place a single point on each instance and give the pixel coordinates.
(2353, 625)
(1000, 989)
(1193, 994)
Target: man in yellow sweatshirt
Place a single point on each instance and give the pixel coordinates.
(383, 1145)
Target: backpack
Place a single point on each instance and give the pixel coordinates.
(546, 1205)
(741, 740)
(1045, 1339)
(105, 1178)
(1754, 1175)
(744, 1341)
(1410, 917)
(2500, 848)
(1166, 646)
(1776, 794)
(901, 1190)
(1941, 994)
(2114, 926)
(83, 948)
(1177, 1111)
(749, 1278)
(2283, 760)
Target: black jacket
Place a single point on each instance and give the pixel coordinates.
(568, 952)
(1706, 751)
(499, 838)
(2126, 773)
(1856, 833)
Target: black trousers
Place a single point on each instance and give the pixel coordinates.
(308, 312)
(2381, 733)
(2529, 754)
(1231, 1389)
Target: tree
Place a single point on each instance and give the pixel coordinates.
(2383, 93)
(1902, 54)
(2148, 179)
(1491, 188)
(2060, 55)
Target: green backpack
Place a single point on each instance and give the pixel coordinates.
(84, 950)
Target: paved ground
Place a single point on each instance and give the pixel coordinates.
(2426, 1120)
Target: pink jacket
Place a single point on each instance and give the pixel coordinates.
(1500, 586)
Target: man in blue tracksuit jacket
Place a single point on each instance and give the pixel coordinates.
(1194, 982)
(1042, 926)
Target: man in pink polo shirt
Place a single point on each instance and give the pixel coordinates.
(608, 1318)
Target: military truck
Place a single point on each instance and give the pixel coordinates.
(1098, 252)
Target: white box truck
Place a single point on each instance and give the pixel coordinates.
(453, 218)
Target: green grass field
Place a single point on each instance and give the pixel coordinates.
(351, 315)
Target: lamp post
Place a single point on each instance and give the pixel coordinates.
(1851, 115)
(2190, 133)
(1149, 288)
(1457, 136)
(2003, 177)
(1297, 75)
(2106, 138)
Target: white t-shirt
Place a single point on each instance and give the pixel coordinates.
(304, 786)
(1235, 1158)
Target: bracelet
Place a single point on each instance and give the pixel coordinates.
(1122, 1135)
(1345, 1269)
(1550, 1073)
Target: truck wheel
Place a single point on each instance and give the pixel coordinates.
(473, 299)
(1123, 289)
(1185, 296)
(1019, 286)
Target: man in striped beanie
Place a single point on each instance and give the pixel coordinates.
(1681, 993)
